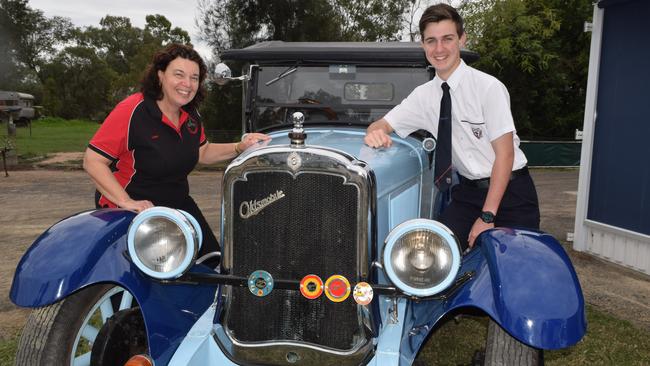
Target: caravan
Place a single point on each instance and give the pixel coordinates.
(21, 105)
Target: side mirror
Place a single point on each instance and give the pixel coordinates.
(223, 75)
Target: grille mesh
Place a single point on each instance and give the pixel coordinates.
(313, 229)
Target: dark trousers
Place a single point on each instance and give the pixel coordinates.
(210, 243)
(519, 207)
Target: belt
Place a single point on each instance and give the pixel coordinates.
(485, 182)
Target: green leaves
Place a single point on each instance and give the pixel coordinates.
(228, 24)
(77, 72)
(537, 48)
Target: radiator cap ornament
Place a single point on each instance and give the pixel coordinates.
(297, 135)
(311, 286)
(337, 288)
(260, 283)
(363, 293)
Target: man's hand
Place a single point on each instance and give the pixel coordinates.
(377, 138)
(377, 134)
(478, 227)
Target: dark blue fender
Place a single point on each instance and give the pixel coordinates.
(524, 281)
(89, 248)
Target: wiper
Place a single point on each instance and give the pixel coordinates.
(283, 74)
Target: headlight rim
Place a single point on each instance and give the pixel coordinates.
(185, 222)
(419, 224)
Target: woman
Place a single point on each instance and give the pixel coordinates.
(141, 155)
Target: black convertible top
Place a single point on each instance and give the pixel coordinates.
(376, 53)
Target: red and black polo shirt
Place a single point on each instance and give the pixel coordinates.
(151, 157)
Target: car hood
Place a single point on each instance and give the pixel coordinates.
(403, 161)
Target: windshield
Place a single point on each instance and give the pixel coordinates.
(331, 94)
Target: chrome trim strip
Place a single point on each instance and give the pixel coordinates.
(274, 353)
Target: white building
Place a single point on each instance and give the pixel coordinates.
(613, 210)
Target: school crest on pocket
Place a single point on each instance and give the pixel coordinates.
(478, 132)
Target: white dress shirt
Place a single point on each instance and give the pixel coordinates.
(480, 113)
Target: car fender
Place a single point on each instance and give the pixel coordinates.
(522, 279)
(528, 285)
(537, 297)
(73, 253)
(90, 248)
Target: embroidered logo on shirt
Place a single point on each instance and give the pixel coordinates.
(477, 132)
(154, 137)
(192, 126)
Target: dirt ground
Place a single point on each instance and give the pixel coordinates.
(32, 200)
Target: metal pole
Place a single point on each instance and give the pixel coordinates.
(4, 161)
(11, 127)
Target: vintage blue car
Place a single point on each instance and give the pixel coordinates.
(331, 254)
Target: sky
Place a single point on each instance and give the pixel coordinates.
(181, 13)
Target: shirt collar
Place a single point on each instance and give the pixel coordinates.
(455, 78)
(156, 113)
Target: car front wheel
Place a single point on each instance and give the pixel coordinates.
(501, 349)
(95, 323)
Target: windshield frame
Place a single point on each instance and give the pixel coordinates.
(268, 105)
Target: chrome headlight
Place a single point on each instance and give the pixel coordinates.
(163, 242)
(421, 257)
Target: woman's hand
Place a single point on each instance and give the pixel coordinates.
(97, 167)
(133, 205)
(251, 139)
(213, 153)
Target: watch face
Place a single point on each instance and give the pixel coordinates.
(487, 217)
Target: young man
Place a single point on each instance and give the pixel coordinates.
(469, 113)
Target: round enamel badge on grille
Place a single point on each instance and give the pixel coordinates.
(362, 293)
(337, 288)
(260, 283)
(311, 286)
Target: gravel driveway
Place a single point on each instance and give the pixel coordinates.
(33, 200)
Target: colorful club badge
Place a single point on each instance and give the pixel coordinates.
(311, 286)
(260, 283)
(337, 288)
(362, 293)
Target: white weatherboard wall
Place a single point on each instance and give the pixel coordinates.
(621, 246)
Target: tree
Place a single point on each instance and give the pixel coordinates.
(127, 50)
(227, 24)
(31, 37)
(58, 63)
(67, 79)
(371, 20)
(9, 68)
(111, 58)
(538, 49)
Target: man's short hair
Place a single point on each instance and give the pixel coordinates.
(440, 12)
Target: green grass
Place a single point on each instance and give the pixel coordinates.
(51, 135)
(609, 341)
(8, 350)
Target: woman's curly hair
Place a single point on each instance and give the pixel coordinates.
(150, 84)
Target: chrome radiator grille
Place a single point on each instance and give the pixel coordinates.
(312, 228)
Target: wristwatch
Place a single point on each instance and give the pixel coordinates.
(487, 217)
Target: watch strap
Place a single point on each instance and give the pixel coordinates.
(487, 217)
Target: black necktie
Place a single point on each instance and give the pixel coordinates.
(442, 171)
